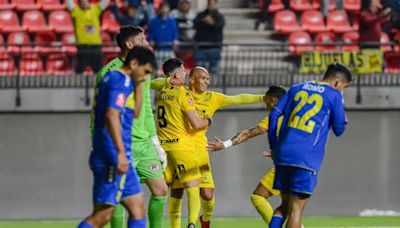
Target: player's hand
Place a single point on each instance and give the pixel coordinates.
(160, 151)
(267, 153)
(122, 163)
(216, 146)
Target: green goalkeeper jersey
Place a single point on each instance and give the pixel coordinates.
(143, 126)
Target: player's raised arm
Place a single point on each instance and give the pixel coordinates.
(241, 99)
(70, 4)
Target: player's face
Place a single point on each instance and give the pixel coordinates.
(139, 40)
(180, 73)
(201, 81)
(140, 72)
(84, 4)
(341, 85)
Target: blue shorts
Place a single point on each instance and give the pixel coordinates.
(295, 181)
(111, 188)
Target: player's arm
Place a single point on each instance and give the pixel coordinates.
(338, 116)
(241, 99)
(274, 115)
(196, 122)
(159, 83)
(70, 4)
(114, 127)
(104, 4)
(138, 99)
(239, 138)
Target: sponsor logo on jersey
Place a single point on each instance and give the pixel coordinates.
(166, 141)
(121, 100)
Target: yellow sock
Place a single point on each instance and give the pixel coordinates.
(174, 211)
(193, 194)
(263, 207)
(208, 209)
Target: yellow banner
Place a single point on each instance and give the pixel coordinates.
(361, 62)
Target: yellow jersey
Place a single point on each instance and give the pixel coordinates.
(87, 24)
(172, 123)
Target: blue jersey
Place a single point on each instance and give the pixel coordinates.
(115, 91)
(310, 109)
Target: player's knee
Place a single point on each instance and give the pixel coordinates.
(207, 194)
(160, 191)
(100, 219)
(137, 211)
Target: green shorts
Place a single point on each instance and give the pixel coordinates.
(146, 161)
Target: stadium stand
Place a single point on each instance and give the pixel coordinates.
(351, 41)
(298, 42)
(338, 22)
(68, 41)
(352, 5)
(60, 21)
(19, 42)
(31, 65)
(285, 22)
(35, 22)
(7, 65)
(25, 5)
(300, 5)
(9, 22)
(51, 5)
(109, 23)
(45, 43)
(58, 65)
(312, 21)
(325, 42)
(275, 6)
(6, 5)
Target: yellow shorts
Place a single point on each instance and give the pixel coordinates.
(268, 182)
(206, 180)
(183, 164)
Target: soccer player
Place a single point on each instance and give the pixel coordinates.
(264, 189)
(115, 179)
(309, 110)
(206, 104)
(176, 116)
(149, 156)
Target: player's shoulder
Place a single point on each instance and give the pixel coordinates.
(117, 78)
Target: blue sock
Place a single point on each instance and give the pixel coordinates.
(84, 224)
(137, 223)
(276, 221)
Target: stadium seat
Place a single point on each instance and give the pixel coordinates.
(19, 42)
(46, 43)
(7, 65)
(275, 5)
(351, 39)
(300, 5)
(285, 22)
(325, 42)
(50, 5)
(30, 65)
(34, 21)
(109, 22)
(60, 21)
(57, 64)
(108, 44)
(2, 47)
(313, 22)
(68, 41)
(338, 22)
(6, 5)
(385, 43)
(9, 22)
(25, 5)
(298, 43)
(317, 4)
(392, 62)
(352, 5)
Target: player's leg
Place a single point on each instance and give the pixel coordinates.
(100, 216)
(282, 183)
(280, 216)
(175, 207)
(118, 217)
(296, 208)
(158, 199)
(193, 195)
(207, 204)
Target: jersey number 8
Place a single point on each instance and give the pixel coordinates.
(162, 122)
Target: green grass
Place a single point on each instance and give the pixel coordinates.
(309, 222)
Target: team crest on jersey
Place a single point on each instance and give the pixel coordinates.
(120, 100)
(154, 167)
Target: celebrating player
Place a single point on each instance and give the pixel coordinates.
(149, 156)
(309, 109)
(115, 179)
(206, 103)
(264, 189)
(176, 117)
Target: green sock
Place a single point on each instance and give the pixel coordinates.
(118, 217)
(156, 211)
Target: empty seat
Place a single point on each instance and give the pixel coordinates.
(300, 42)
(300, 5)
(313, 22)
(9, 22)
(34, 21)
(25, 5)
(60, 21)
(6, 5)
(338, 22)
(30, 65)
(7, 65)
(49, 5)
(19, 42)
(285, 22)
(57, 64)
(325, 42)
(46, 43)
(68, 41)
(275, 5)
(317, 4)
(352, 5)
(109, 22)
(350, 39)
(385, 43)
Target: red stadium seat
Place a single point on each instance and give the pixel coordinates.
(7, 65)
(313, 22)
(317, 4)
(57, 64)
(285, 22)
(392, 62)
(385, 43)
(351, 39)
(68, 41)
(338, 22)
(9, 22)
(107, 57)
(30, 65)
(25, 5)
(275, 5)
(19, 42)
(298, 43)
(324, 42)
(6, 5)
(34, 21)
(300, 5)
(46, 43)
(60, 21)
(2, 47)
(352, 5)
(109, 46)
(109, 22)
(50, 5)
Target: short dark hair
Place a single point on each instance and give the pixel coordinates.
(275, 91)
(143, 55)
(171, 64)
(125, 32)
(337, 70)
